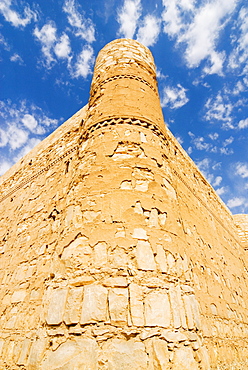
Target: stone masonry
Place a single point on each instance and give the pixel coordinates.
(115, 252)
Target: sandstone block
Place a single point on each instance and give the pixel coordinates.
(157, 309)
(57, 300)
(158, 355)
(173, 336)
(18, 296)
(118, 305)
(94, 306)
(22, 360)
(161, 259)
(73, 306)
(118, 281)
(78, 251)
(184, 359)
(72, 355)
(175, 307)
(195, 311)
(188, 310)
(140, 233)
(125, 355)
(144, 256)
(181, 307)
(100, 254)
(153, 219)
(136, 304)
(36, 353)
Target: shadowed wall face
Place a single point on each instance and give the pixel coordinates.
(115, 252)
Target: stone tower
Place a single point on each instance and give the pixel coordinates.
(115, 252)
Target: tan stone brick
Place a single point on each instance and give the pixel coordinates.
(144, 256)
(126, 355)
(56, 308)
(157, 309)
(73, 354)
(184, 359)
(158, 355)
(136, 304)
(73, 306)
(94, 306)
(118, 305)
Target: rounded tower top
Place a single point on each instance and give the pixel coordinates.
(124, 84)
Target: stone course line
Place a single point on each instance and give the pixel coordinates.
(29, 179)
(111, 122)
(128, 76)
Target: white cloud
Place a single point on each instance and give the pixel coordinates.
(243, 123)
(239, 87)
(149, 31)
(220, 109)
(228, 141)
(3, 138)
(4, 43)
(26, 149)
(226, 151)
(242, 169)
(51, 45)
(47, 37)
(239, 56)
(217, 181)
(236, 202)
(17, 136)
(206, 167)
(23, 125)
(214, 136)
(84, 26)
(199, 142)
(62, 49)
(174, 97)
(4, 166)
(14, 17)
(221, 190)
(128, 17)
(16, 58)
(84, 62)
(198, 29)
(30, 122)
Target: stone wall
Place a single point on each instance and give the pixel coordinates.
(115, 252)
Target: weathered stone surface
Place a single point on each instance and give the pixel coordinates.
(36, 353)
(188, 310)
(184, 359)
(118, 281)
(126, 355)
(158, 355)
(22, 360)
(173, 336)
(136, 304)
(94, 307)
(118, 306)
(73, 306)
(100, 254)
(18, 296)
(56, 308)
(175, 307)
(72, 355)
(140, 233)
(108, 204)
(144, 256)
(157, 309)
(161, 258)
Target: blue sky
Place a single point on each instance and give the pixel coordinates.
(47, 53)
